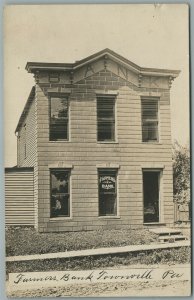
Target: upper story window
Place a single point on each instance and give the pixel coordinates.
(60, 192)
(59, 119)
(106, 118)
(150, 120)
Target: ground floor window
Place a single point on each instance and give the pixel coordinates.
(151, 185)
(107, 181)
(60, 195)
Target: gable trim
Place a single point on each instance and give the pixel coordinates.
(26, 108)
(32, 67)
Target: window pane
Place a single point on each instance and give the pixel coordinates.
(106, 118)
(60, 193)
(105, 108)
(60, 206)
(149, 120)
(150, 109)
(150, 131)
(59, 131)
(107, 192)
(59, 118)
(106, 131)
(107, 205)
(59, 109)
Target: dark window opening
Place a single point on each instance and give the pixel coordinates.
(106, 118)
(59, 118)
(107, 181)
(149, 120)
(151, 196)
(60, 195)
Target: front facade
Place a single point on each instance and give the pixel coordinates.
(97, 133)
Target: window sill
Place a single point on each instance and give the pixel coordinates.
(60, 219)
(109, 217)
(60, 141)
(107, 142)
(152, 143)
(155, 223)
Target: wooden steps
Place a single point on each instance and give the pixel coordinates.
(168, 235)
(172, 239)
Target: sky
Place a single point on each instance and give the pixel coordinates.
(148, 35)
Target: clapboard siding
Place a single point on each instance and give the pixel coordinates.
(27, 146)
(19, 196)
(85, 153)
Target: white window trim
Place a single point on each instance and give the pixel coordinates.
(108, 92)
(60, 165)
(149, 94)
(108, 166)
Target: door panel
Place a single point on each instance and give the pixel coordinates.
(151, 196)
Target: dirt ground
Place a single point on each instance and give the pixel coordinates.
(119, 289)
(178, 288)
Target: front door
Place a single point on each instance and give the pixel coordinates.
(151, 196)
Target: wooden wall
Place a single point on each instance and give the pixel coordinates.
(27, 139)
(85, 154)
(19, 196)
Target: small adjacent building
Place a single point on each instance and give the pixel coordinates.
(97, 134)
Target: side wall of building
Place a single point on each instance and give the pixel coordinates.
(19, 196)
(85, 154)
(27, 150)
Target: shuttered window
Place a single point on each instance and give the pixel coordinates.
(107, 181)
(59, 118)
(60, 192)
(106, 118)
(149, 120)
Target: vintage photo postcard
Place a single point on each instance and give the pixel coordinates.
(97, 150)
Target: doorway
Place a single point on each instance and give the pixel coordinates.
(151, 198)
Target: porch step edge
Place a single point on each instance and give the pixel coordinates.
(172, 238)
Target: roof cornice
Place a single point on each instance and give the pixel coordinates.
(33, 67)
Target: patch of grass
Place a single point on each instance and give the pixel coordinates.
(23, 241)
(165, 256)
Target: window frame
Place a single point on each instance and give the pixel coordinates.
(59, 95)
(18, 148)
(69, 194)
(25, 144)
(156, 100)
(108, 170)
(114, 98)
(160, 171)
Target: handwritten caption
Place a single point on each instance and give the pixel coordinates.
(61, 278)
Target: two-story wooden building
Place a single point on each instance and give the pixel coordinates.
(97, 133)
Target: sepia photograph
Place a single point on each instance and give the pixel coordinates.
(97, 150)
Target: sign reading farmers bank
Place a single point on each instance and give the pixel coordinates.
(107, 183)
